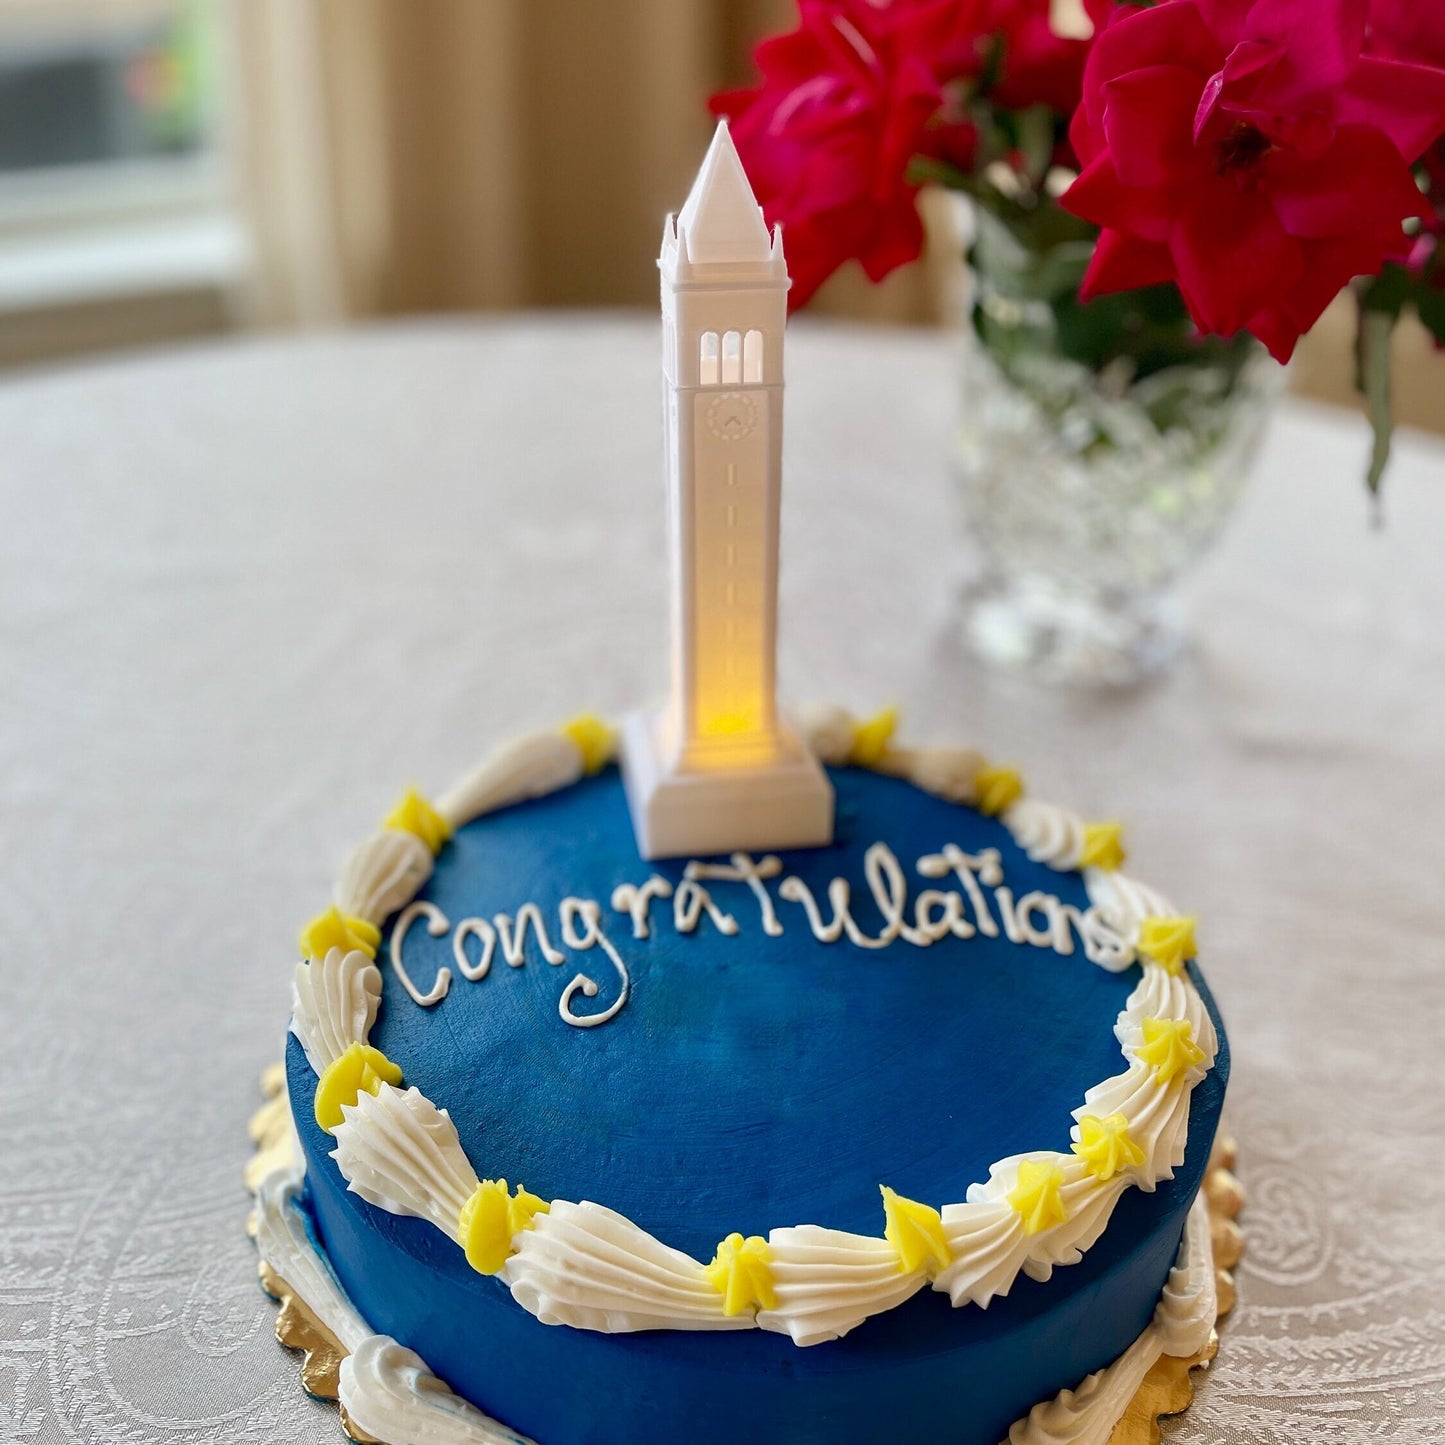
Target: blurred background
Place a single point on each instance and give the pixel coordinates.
(183, 168)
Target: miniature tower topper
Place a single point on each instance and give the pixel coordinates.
(716, 769)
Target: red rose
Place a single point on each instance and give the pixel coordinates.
(1251, 152)
(1415, 30)
(1035, 66)
(1039, 66)
(828, 135)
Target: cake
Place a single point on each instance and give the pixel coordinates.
(711, 1077)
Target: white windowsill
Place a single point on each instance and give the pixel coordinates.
(114, 262)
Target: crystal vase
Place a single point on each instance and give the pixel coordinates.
(1102, 450)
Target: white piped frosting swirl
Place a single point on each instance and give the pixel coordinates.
(1183, 1320)
(949, 773)
(586, 1266)
(828, 731)
(1189, 1306)
(828, 1282)
(333, 1004)
(1158, 1114)
(530, 767)
(1123, 902)
(284, 1243)
(398, 1151)
(389, 1393)
(384, 873)
(1048, 834)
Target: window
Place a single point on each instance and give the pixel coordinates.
(732, 357)
(708, 360)
(753, 357)
(115, 171)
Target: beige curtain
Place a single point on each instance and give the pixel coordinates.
(423, 155)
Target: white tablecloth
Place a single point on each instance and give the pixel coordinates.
(247, 592)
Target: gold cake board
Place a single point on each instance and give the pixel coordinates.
(1168, 1388)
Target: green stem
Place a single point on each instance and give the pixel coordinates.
(1373, 359)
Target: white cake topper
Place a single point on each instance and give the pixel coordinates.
(716, 770)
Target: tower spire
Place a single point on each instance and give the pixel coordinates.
(721, 222)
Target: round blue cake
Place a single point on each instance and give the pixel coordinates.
(713, 1053)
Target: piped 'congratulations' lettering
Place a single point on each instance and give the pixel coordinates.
(981, 903)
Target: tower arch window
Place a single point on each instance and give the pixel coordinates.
(732, 357)
(753, 357)
(707, 359)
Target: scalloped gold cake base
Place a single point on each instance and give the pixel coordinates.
(270, 1129)
(1168, 1388)
(298, 1329)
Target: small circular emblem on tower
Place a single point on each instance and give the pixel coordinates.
(732, 416)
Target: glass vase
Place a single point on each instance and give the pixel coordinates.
(1102, 450)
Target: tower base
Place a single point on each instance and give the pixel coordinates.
(680, 812)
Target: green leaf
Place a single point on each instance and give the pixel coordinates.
(1431, 305)
(1388, 292)
(929, 170)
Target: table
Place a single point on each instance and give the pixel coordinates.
(247, 591)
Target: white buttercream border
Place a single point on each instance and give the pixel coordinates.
(585, 1266)
(389, 1393)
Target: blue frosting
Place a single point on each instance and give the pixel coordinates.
(749, 1082)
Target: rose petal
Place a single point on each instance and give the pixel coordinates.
(897, 241)
(1147, 123)
(1359, 183)
(952, 34)
(1248, 62)
(1225, 19)
(1099, 196)
(1330, 267)
(1121, 263)
(1320, 43)
(1085, 136)
(1277, 331)
(1233, 255)
(1406, 102)
(1172, 33)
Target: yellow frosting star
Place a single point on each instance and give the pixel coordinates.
(741, 1272)
(1038, 1195)
(1168, 941)
(1106, 1146)
(871, 738)
(413, 814)
(491, 1218)
(360, 1068)
(335, 929)
(596, 741)
(997, 788)
(916, 1232)
(1169, 1048)
(1103, 846)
